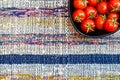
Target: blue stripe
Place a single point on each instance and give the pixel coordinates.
(60, 59)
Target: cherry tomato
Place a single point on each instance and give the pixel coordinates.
(111, 25)
(92, 2)
(88, 25)
(102, 7)
(80, 4)
(99, 22)
(113, 15)
(78, 15)
(90, 12)
(114, 5)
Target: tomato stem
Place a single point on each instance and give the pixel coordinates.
(85, 2)
(115, 9)
(99, 0)
(104, 16)
(77, 18)
(92, 16)
(114, 20)
(89, 27)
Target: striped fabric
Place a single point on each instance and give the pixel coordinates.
(38, 42)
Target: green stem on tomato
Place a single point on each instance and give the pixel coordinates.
(89, 27)
(77, 18)
(115, 9)
(85, 2)
(104, 16)
(99, 0)
(114, 20)
(92, 15)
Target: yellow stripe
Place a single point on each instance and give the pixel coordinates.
(32, 21)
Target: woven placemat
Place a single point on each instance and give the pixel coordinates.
(38, 42)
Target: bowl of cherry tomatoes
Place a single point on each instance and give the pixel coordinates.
(95, 18)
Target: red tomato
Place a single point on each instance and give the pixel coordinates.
(88, 25)
(102, 7)
(80, 4)
(111, 25)
(92, 2)
(90, 12)
(99, 22)
(113, 15)
(78, 15)
(114, 5)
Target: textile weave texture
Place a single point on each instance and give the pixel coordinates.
(38, 42)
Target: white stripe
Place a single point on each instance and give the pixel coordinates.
(59, 49)
(66, 70)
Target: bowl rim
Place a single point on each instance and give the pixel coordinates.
(100, 36)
